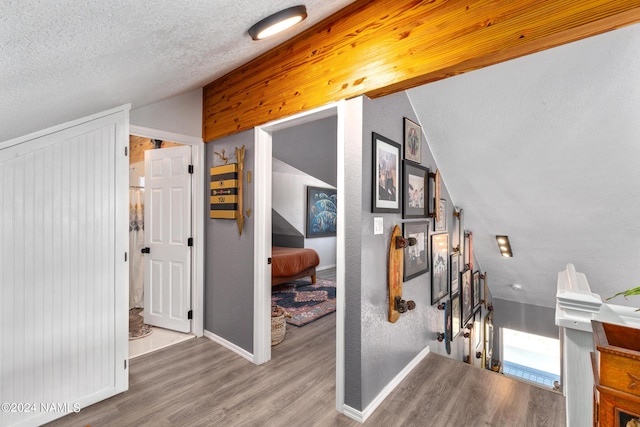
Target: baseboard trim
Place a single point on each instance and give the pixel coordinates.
(361, 416)
(229, 345)
(325, 267)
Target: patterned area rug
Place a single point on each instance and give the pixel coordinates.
(304, 301)
(137, 327)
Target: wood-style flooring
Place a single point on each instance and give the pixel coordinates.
(199, 383)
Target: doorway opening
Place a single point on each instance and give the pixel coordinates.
(303, 227)
(158, 319)
(263, 238)
(532, 358)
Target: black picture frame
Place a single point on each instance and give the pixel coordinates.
(466, 303)
(412, 141)
(439, 267)
(321, 212)
(476, 289)
(454, 266)
(416, 257)
(415, 190)
(386, 177)
(456, 316)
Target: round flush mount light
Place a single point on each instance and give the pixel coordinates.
(278, 22)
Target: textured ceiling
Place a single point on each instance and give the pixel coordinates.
(546, 149)
(61, 59)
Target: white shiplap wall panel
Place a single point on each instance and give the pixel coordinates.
(63, 320)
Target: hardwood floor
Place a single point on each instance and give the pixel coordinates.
(199, 383)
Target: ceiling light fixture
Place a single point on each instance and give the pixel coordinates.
(504, 246)
(278, 22)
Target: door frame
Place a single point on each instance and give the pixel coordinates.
(262, 248)
(197, 216)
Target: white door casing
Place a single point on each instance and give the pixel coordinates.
(167, 275)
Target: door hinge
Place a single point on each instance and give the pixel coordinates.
(126, 151)
(125, 364)
(190, 168)
(125, 257)
(269, 260)
(190, 241)
(190, 315)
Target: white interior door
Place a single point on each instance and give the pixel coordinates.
(167, 218)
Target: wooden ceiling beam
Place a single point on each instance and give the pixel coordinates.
(378, 47)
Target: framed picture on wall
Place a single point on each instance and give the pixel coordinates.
(412, 141)
(476, 289)
(455, 273)
(455, 316)
(439, 267)
(416, 258)
(415, 191)
(467, 297)
(321, 212)
(441, 223)
(386, 175)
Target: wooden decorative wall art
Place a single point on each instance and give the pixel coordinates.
(226, 190)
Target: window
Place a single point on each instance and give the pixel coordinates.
(531, 357)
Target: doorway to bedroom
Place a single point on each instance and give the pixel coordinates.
(304, 213)
(346, 129)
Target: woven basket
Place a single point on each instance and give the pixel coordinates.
(278, 329)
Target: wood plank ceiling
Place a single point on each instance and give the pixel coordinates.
(378, 47)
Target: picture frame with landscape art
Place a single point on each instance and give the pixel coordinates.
(439, 267)
(415, 202)
(412, 141)
(416, 258)
(386, 175)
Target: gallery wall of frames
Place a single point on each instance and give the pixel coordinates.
(459, 288)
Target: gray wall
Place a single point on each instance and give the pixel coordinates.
(310, 147)
(378, 350)
(229, 258)
(532, 319)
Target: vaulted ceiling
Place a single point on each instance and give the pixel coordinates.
(543, 148)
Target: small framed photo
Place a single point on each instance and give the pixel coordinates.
(439, 267)
(467, 297)
(412, 141)
(416, 260)
(415, 191)
(440, 224)
(455, 273)
(455, 316)
(386, 175)
(321, 212)
(476, 289)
